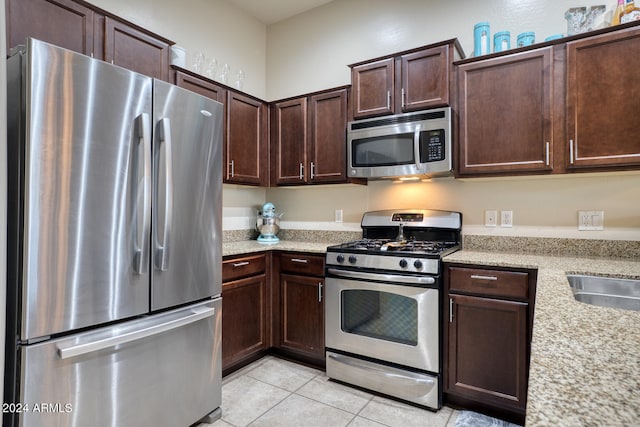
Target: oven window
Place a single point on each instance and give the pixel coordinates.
(381, 315)
(383, 151)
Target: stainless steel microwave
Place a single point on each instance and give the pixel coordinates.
(403, 145)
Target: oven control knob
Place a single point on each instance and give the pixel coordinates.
(340, 258)
(417, 264)
(403, 263)
(352, 259)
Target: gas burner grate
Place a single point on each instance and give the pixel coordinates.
(388, 245)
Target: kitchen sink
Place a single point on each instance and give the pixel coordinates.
(606, 291)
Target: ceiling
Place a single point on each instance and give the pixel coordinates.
(272, 11)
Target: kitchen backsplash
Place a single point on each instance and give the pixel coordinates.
(627, 249)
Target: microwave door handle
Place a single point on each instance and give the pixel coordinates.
(416, 146)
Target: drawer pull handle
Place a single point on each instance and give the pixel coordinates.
(300, 260)
(479, 277)
(240, 264)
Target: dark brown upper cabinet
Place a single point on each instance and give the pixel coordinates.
(246, 145)
(505, 110)
(308, 139)
(407, 81)
(63, 23)
(136, 50)
(246, 142)
(78, 26)
(603, 99)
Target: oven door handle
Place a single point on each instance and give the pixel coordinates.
(395, 278)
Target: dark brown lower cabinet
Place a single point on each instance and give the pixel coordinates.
(245, 311)
(298, 306)
(244, 319)
(302, 315)
(486, 334)
(488, 340)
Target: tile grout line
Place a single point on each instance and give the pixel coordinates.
(272, 408)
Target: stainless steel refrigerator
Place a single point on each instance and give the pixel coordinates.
(114, 246)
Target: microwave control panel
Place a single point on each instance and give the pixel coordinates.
(432, 146)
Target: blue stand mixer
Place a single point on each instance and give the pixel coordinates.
(268, 224)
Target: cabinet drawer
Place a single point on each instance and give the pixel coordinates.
(236, 268)
(309, 265)
(489, 282)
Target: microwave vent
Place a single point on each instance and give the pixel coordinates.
(401, 118)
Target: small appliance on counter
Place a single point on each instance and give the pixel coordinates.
(268, 224)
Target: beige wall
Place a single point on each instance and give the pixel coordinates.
(542, 206)
(311, 51)
(213, 27)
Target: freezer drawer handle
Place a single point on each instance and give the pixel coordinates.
(196, 314)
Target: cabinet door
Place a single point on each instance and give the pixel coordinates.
(373, 91)
(327, 137)
(61, 22)
(246, 147)
(425, 79)
(505, 114)
(487, 345)
(244, 319)
(289, 141)
(603, 100)
(200, 86)
(302, 314)
(135, 50)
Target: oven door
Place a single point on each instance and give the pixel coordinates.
(383, 320)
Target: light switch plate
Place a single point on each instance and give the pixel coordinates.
(490, 218)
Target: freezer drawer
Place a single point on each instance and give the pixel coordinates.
(163, 370)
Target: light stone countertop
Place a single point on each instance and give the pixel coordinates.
(252, 246)
(585, 359)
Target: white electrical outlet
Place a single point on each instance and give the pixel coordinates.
(490, 218)
(506, 218)
(590, 220)
(338, 215)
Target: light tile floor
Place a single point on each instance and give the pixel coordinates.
(276, 392)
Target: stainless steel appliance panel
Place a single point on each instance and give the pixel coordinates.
(187, 194)
(411, 386)
(423, 353)
(87, 192)
(162, 370)
(408, 144)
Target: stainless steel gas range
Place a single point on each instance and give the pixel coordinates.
(383, 304)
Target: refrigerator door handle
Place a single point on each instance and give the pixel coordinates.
(195, 314)
(163, 235)
(142, 192)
